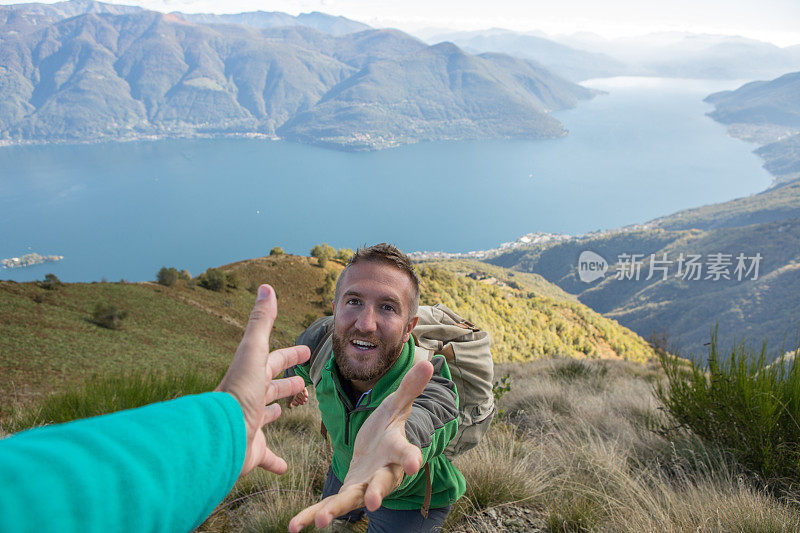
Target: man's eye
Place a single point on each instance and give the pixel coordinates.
(388, 307)
(353, 301)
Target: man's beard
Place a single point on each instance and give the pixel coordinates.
(372, 370)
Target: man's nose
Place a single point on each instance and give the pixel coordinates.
(366, 320)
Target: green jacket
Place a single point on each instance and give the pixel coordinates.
(432, 424)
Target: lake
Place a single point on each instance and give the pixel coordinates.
(123, 210)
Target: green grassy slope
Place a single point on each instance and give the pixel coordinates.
(48, 341)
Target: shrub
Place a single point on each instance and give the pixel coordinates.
(329, 288)
(50, 282)
(167, 276)
(232, 280)
(323, 253)
(213, 279)
(184, 275)
(108, 316)
(344, 255)
(277, 251)
(741, 403)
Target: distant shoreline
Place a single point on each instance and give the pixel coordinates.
(29, 260)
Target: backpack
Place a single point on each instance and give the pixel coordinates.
(438, 331)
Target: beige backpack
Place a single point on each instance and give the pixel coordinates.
(438, 331)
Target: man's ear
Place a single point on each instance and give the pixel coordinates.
(410, 327)
(333, 307)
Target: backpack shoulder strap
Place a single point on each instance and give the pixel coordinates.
(319, 339)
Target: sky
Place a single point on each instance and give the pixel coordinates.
(776, 21)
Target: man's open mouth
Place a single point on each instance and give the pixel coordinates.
(363, 345)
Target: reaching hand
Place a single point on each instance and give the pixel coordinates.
(380, 456)
(298, 399)
(250, 380)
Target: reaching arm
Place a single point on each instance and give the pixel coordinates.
(381, 455)
(162, 467)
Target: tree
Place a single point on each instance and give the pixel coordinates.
(213, 279)
(167, 276)
(50, 282)
(277, 251)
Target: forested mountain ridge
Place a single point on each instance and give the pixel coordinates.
(102, 75)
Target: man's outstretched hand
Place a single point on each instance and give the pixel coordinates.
(298, 399)
(250, 379)
(380, 456)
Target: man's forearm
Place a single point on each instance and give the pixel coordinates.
(434, 414)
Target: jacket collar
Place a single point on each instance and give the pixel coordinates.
(388, 383)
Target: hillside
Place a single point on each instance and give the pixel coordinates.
(768, 113)
(764, 308)
(571, 63)
(48, 340)
(109, 73)
(780, 202)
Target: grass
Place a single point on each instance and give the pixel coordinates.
(740, 401)
(574, 451)
(101, 395)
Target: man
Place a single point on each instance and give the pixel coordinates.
(374, 312)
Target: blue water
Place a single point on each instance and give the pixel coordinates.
(123, 210)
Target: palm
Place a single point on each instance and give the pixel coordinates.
(381, 454)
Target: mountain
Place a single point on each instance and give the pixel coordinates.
(439, 92)
(760, 102)
(766, 112)
(571, 63)
(272, 19)
(188, 327)
(100, 75)
(692, 55)
(762, 308)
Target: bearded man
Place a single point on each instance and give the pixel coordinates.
(381, 435)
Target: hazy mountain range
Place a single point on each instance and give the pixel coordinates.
(679, 55)
(572, 63)
(112, 72)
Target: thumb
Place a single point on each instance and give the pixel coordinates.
(261, 319)
(413, 383)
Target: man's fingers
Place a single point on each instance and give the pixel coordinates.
(281, 388)
(413, 383)
(306, 516)
(261, 319)
(280, 360)
(411, 459)
(382, 483)
(349, 498)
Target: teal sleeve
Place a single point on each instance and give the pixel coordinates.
(162, 467)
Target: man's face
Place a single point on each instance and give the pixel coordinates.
(371, 320)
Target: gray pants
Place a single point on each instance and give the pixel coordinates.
(385, 520)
